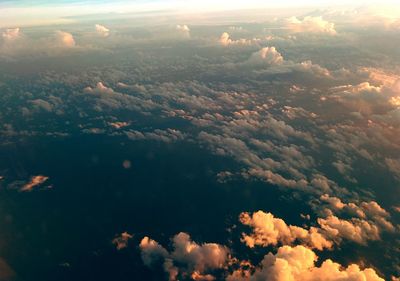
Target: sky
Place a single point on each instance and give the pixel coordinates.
(26, 13)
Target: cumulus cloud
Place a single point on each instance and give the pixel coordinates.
(226, 40)
(65, 39)
(152, 252)
(99, 89)
(35, 181)
(187, 259)
(276, 64)
(103, 98)
(102, 30)
(268, 230)
(119, 124)
(357, 230)
(364, 221)
(11, 34)
(184, 30)
(371, 210)
(168, 135)
(267, 55)
(315, 69)
(310, 24)
(367, 98)
(299, 263)
(361, 88)
(121, 241)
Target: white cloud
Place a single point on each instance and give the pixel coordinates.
(364, 220)
(102, 30)
(11, 34)
(357, 230)
(367, 98)
(186, 259)
(65, 39)
(183, 28)
(226, 40)
(311, 25)
(298, 263)
(99, 89)
(268, 230)
(267, 55)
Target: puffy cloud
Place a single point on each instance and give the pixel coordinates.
(361, 88)
(371, 210)
(298, 263)
(226, 40)
(119, 124)
(267, 55)
(367, 219)
(187, 259)
(102, 30)
(270, 57)
(42, 105)
(367, 98)
(11, 34)
(168, 135)
(152, 252)
(184, 30)
(310, 24)
(279, 180)
(268, 230)
(378, 76)
(65, 39)
(315, 69)
(357, 230)
(367, 223)
(35, 181)
(99, 89)
(104, 98)
(202, 277)
(121, 241)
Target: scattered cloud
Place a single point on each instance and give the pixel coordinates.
(187, 258)
(99, 89)
(299, 263)
(102, 30)
(310, 24)
(226, 40)
(184, 30)
(267, 55)
(11, 34)
(65, 39)
(268, 230)
(35, 181)
(168, 135)
(121, 241)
